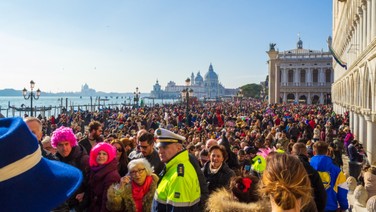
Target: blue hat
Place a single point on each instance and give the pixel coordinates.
(166, 137)
(29, 182)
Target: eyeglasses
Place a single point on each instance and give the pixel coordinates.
(140, 171)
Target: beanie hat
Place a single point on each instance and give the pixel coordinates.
(351, 182)
(108, 148)
(361, 195)
(371, 204)
(63, 134)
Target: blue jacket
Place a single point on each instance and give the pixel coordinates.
(334, 181)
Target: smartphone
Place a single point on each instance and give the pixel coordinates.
(247, 168)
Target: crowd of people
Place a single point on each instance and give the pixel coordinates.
(223, 156)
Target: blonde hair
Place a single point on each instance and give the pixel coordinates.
(286, 181)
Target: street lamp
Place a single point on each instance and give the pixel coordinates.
(262, 93)
(136, 97)
(240, 97)
(187, 92)
(31, 95)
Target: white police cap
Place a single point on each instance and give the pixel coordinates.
(166, 137)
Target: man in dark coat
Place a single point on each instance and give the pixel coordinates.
(319, 193)
(69, 152)
(94, 137)
(146, 146)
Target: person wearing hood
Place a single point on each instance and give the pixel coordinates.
(334, 180)
(104, 173)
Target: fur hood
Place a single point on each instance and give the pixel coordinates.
(222, 200)
(122, 200)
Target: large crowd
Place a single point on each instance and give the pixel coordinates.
(212, 156)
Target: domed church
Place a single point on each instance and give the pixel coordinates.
(208, 87)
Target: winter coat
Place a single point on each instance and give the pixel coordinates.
(334, 181)
(123, 200)
(99, 183)
(224, 201)
(79, 159)
(219, 179)
(319, 192)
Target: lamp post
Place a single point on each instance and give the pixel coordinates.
(262, 93)
(31, 95)
(187, 92)
(136, 97)
(240, 97)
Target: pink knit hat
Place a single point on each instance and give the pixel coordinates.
(63, 134)
(108, 148)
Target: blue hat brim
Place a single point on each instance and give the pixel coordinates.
(42, 188)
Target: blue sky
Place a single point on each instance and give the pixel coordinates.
(120, 45)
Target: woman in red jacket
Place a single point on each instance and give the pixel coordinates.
(103, 174)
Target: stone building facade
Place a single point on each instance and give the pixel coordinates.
(299, 75)
(354, 42)
(208, 87)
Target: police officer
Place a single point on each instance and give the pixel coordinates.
(179, 186)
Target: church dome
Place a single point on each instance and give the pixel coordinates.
(199, 78)
(211, 75)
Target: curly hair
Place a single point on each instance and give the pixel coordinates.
(285, 181)
(63, 134)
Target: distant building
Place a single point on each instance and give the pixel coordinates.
(299, 75)
(354, 49)
(208, 88)
(86, 91)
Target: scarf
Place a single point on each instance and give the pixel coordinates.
(97, 168)
(139, 191)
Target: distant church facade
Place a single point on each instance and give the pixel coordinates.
(207, 87)
(299, 75)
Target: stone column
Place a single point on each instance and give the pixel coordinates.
(373, 21)
(369, 17)
(362, 129)
(360, 29)
(351, 121)
(321, 98)
(355, 125)
(284, 97)
(364, 27)
(357, 41)
(272, 78)
(360, 26)
(310, 77)
(371, 135)
(309, 101)
(297, 97)
(278, 84)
